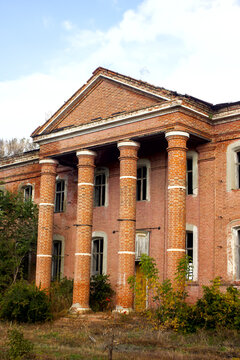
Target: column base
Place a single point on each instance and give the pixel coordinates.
(120, 310)
(78, 309)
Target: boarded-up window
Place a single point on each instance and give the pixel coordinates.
(141, 244)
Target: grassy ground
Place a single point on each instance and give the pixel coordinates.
(131, 337)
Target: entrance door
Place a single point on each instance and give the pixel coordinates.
(141, 247)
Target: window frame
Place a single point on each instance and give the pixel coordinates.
(138, 253)
(233, 168)
(28, 186)
(190, 228)
(140, 164)
(101, 171)
(194, 156)
(62, 204)
(58, 238)
(100, 235)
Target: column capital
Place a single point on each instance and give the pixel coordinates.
(128, 143)
(48, 161)
(176, 133)
(86, 152)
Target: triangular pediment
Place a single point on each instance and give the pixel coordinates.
(106, 94)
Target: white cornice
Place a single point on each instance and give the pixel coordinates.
(91, 83)
(122, 119)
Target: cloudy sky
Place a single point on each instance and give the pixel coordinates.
(49, 48)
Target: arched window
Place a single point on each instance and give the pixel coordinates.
(27, 192)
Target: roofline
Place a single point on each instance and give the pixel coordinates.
(114, 121)
(87, 86)
(23, 159)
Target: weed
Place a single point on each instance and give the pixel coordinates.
(19, 348)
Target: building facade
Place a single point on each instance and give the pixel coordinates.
(125, 168)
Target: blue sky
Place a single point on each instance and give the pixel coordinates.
(50, 48)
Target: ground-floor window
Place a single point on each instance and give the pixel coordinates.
(97, 256)
(56, 260)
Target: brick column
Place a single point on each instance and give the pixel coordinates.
(176, 199)
(84, 230)
(127, 223)
(45, 222)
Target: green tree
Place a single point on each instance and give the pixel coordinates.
(18, 235)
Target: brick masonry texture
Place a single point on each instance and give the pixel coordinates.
(213, 210)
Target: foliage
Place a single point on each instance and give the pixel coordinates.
(218, 309)
(18, 235)
(19, 348)
(61, 296)
(215, 309)
(15, 146)
(24, 302)
(101, 293)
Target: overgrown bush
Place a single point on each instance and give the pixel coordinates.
(24, 302)
(19, 348)
(215, 309)
(218, 309)
(101, 293)
(61, 296)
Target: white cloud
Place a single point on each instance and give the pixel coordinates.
(190, 46)
(67, 25)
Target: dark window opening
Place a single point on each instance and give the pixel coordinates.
(56, 260)
(99, 190)
(142, 183)
(238, 170)
(59, 196)
(97, 256)
(189, 253)
(27, 193)
(189, 176)
(238, 255)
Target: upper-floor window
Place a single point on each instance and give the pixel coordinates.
(59, 196)
(100, 187)
(233, 166)
(27, 192)
(143, 180)
(192, 173)
(189, 176)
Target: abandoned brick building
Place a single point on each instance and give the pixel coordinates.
(125, 168)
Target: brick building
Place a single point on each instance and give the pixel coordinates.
(125, 168)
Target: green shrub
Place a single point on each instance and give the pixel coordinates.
(24, 302)
(61, 296)
(100, 293)
(19, 348)
(218, 309)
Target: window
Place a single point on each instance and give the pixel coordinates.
(189, 176)
(99, 189)
(237, 254)
(233, 166)
(97, 256)
(192, 173)
(237, 169)
(189, 252)
(192, 250)
(143, 168)
(141, 244)
(141, 183)
(59, 196)
(27, 192)
(99, 253)
(56, 260)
